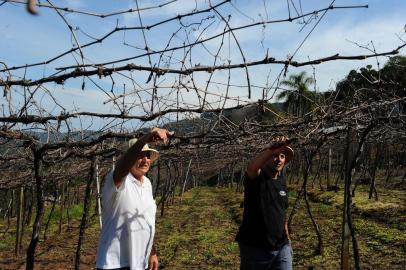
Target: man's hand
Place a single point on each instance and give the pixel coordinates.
(279, 142)
(255, 165)
(153, 262)
(127, 160)
(158, 134)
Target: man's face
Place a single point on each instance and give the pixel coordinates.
(142, 164)
(277, 162)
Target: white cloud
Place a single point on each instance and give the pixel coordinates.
(339, 38)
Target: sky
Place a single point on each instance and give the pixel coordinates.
(28, 39)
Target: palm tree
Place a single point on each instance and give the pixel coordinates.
(298, 97)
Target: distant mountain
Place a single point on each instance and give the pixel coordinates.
(185, 127)
(86, 135)
(254, 111)
(189, 127)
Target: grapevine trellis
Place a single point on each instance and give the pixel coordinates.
(194, 80)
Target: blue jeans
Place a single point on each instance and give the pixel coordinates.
(260, 259)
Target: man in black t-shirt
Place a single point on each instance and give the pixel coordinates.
(263, 236)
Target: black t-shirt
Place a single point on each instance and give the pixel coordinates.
(265, 204)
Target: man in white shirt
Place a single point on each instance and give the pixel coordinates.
(126, 238)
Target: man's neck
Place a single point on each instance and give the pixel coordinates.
(138, 177)
(274, 174)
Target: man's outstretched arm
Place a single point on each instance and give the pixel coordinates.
(255, 165)
(126, 161)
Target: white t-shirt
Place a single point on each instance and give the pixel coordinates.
(128, 222)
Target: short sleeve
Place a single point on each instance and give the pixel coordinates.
(248, 180)
(109, 188)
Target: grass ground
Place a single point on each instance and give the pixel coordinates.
(382, 243)
(58, 250)
(197, 232)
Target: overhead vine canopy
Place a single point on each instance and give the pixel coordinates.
(82, 73)
(149, 61)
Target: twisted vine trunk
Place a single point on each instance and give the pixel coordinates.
(303, 192)
(40, 210)
(372, 188)
(86, 206)
(353, 152)
(345, 232)
(50, 215)
(309, 159)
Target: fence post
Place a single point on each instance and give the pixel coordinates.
(329, 166)
(187, 174)
(19, 221)
(99, 212)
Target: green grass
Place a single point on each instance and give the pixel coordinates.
(324, 208)
(381, 239)
(198, 230)
(210, 235)
(58, 250)
(75, 213)
(7, 240)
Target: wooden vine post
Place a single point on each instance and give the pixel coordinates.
(99, 210)
(186, 177)
(20, 224)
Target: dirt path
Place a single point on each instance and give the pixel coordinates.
(198, 233)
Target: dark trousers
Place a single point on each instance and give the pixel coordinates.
(260, 259)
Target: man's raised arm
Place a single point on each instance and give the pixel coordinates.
(126, 161)
(255, 165)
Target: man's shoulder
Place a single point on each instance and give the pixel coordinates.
(261, 175)
(252, 182)
(147, 181)
(109, 181)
